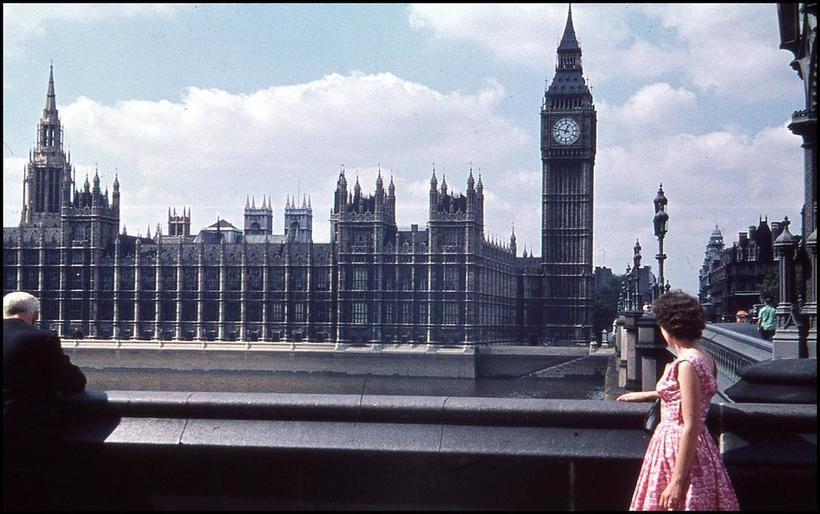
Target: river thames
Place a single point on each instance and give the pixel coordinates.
(575, 387)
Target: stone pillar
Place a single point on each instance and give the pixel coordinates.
(629, 352)
(158, 291)
(93, 291)
(117, 256)
(243, 293)
(65, 255)
(787, 337)
(136, 321)
(180, 278)
(651, 350)
(809, 310)
(200, 304)
(265, 296)
(221, 331)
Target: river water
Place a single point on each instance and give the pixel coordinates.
(576, 387)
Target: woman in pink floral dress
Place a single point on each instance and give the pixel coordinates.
(682, 469)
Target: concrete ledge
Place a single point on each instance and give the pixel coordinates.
(185, 450)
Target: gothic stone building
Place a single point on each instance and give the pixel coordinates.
(731, 278)
(373, 282)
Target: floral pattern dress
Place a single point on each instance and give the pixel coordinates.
(710, 487)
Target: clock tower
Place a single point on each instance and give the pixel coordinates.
(568, 158)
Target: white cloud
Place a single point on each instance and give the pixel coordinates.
(724, 178)
(653, 109)
(211, 148)
(729, 49)
(24, 21)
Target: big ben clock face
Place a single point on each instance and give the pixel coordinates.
(566, 131)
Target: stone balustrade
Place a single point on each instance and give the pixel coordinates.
(183, 450)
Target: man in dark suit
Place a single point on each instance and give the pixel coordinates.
(35, 373)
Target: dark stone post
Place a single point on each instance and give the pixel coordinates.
(651, 348)
(787, 337)
(809, 310)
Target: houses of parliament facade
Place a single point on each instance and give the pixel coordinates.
(442, 283)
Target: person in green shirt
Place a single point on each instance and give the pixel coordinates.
(766, 321)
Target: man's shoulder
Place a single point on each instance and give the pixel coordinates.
(14, 329)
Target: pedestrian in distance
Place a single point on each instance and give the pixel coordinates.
(767, 320)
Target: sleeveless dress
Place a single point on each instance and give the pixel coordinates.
(710, 487)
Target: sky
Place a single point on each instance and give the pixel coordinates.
(200, 105)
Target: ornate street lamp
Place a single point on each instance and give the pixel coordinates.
(660, 222)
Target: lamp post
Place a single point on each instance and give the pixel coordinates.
(660, 222)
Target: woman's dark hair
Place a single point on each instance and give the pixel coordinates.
(680, 314)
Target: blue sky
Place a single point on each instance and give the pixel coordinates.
(201, 105)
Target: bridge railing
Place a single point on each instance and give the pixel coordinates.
(643, 352)
(183, 450)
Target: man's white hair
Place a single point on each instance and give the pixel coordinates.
(20, 302)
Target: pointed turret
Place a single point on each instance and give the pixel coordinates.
(569, 41)
(51, 98)
(434, 180)
(470, 180)
(379, 181)
(444, 184)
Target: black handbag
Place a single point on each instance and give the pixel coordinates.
(653, 417)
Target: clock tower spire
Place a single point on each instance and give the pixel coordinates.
(568, 140)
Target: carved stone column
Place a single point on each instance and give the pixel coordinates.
(787, 337)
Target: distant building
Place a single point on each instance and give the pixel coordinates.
(373, 282)
(731, 278)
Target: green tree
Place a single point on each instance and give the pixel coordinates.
(605, 304)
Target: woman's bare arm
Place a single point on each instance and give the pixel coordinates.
(641, 396)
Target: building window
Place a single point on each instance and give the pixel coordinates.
(76, 278)
(253, 311)
(297, 279)
(277, 312)
(277, 279)
(52, 278)
(234, 279)
(189, 311)
(169, 311)
(31, 279)
(169, 278)
(147, 278)
(233, 311)
(320, 311)
(406, 316)
(299, 312)
(321, 280)
(450, 278)
(405, 283)
(211, 279)
(421, 313)
(211, 311)
(31, 257)
(107, 279)
(254, 279)
(359, 312)
(450, 313)
(190, 280)
(53, 257)
(359, 279)
(388, 313)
